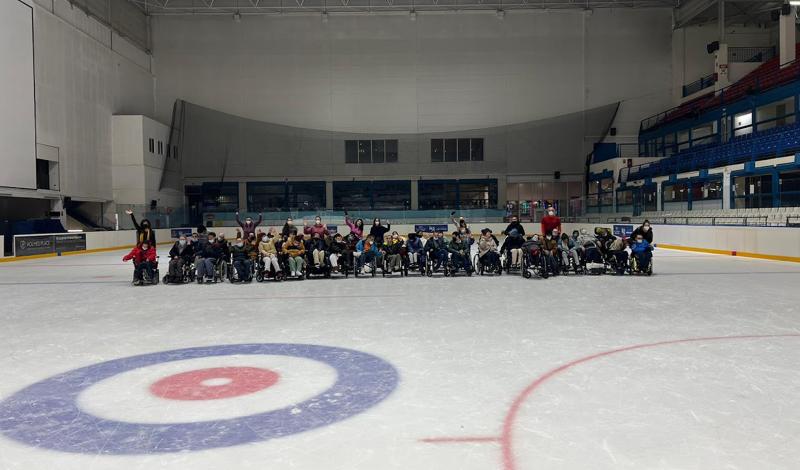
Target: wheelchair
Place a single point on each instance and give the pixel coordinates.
(312, 270)
(491, 268)
(233, 274)
(634, 268)
(146, 279)
(369, 268)
(187, 275)
(507, 258)
(451, 268)
(266, 272)
(570, 265)
(534, 263)
(403, 268)
(419, 266)
(283, 260)
(430, 264)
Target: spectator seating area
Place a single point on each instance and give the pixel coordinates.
(774, 142)
(771, 217)
(768, 75)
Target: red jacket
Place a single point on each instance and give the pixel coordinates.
(138, 255)
(549, 222)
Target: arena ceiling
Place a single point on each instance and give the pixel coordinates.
(686, 12)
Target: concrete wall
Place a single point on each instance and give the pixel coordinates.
(442, 72)
(84, 73)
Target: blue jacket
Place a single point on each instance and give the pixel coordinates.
(415, 245)
(360, 247)
(638, 248)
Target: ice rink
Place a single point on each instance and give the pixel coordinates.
(693, 368)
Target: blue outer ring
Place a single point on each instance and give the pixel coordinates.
(46, 414)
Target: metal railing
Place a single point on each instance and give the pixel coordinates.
(700, 84)
(751, 83)
(750, 54)
(721, 220)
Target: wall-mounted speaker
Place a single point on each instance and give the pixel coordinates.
(712, 47)
(613, 131)
(557, 175)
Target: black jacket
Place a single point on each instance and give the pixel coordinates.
(187, 254)
(144, 234)
(212, 250)
(434, 244)
(378, 231)
(512, 226)
(648, 235)
(337, 248)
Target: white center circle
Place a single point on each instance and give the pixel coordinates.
(127, 397)
(218, 382)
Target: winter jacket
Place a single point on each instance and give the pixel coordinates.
(288, 229)
(337, 248)
(185, 252)
(138, 255)
(566, 245)
(295, 248)
(415, 245)
(550, 222)
(511, 243)
(247, 229)
(514, 226)
(638, 248)
(321, 230)
(364, 245)
(316, 244)
(586, 240)
(144, 233)
(550, 246)
(459, 247)
(485, 246)
(359, 232)
(378, 231)
(435, 244)
(268, 247)
(648, 235)
(394, 247)
(241, 253)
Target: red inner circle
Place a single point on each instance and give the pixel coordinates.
(189, 385)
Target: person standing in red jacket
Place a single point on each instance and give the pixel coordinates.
(550, 221)
(144, 261)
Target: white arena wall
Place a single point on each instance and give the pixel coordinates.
(779, 243)
(440, 73)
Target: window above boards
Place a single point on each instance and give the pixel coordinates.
(370, 151)
(457, 150)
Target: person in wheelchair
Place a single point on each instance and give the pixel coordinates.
(241, 253)
(181, 256)
(350, 243)
(436, 250)
(207, 255)
(144, 263)
(393, 251)
(367, 254)
(318, 248)
(295, 251)
(616, 254)
(550, 251)
(534, 260)
(569, 253)
(416, 255)
(459, 254)
(512, 247)
(488, 256)
(593, 255)
(268, 250)
(641, 255)
(337, 256)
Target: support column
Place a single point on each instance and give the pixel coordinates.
(242, 196)
(659, 206)
(786, 40)
(414, 195)
(721, 60)
(727, 192)
(329, 195)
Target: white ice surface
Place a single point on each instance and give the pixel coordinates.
(465, 349)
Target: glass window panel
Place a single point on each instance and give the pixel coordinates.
(451, 150)
(352, 195)
(437, 194)
(378, 153)
(476, 150)
(391, 195)
(220, 197)
(351, 151)
(437, 150)
(306, 195)
(463, 150)
(266, 197)
(478, 194)
(364, 150)
(391, 151)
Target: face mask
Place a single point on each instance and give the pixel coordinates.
(145, 247)
(639, 241)
(240, 244)
(318, 222)
(549, 237)
(289, 223)
(182, 242)
(210, 240)
(646, 228)
(264, 238)
(551, 213)
(248, 221)
(377, 223)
